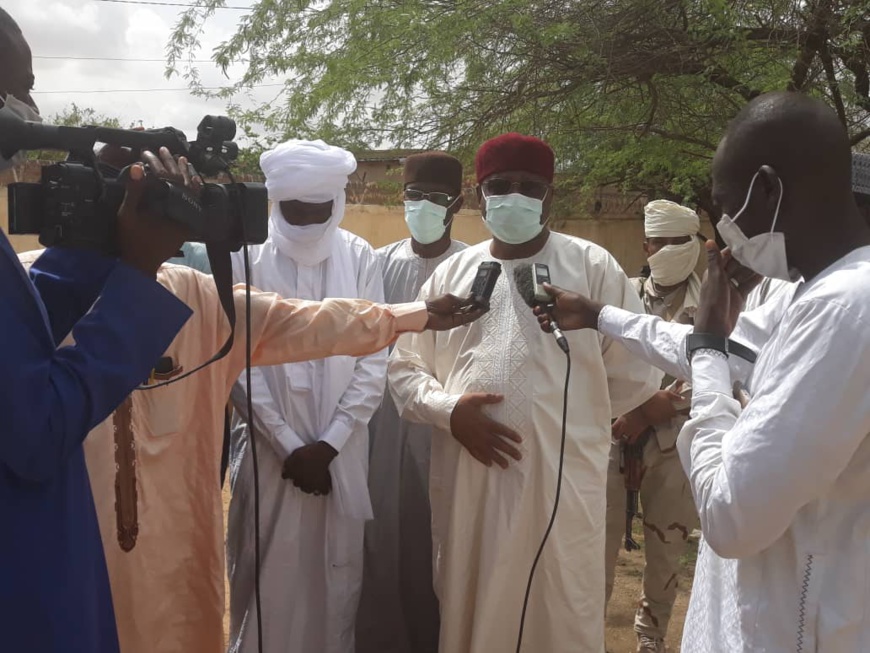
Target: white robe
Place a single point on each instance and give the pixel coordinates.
(712, 620)
(725, 592)
(487, 523)
(782, 486)
(398, 611)
(766, 291)
(311, 546)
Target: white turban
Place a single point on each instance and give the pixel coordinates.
(307, 171)
(666, 219)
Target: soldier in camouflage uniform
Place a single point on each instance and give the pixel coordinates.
(672, 292)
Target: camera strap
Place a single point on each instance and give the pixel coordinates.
(222, 273)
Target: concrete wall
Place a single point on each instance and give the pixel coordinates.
(622, 237)
(607, 217)
(382, 225)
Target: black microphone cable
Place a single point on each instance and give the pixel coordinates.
(252, 438)
(555, 502)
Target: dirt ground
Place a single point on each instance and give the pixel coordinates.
(620, 616)
(619, 630)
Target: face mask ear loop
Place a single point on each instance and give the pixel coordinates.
(748, 197)
(778, 204)
(452, 204)
(450, 222)
(544, 199)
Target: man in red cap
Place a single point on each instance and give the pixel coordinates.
(494, 395)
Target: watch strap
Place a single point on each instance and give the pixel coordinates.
(696, 341)
(742, 351)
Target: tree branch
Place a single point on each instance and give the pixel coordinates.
(860, 136)
(816, 33)
(833, 84)
(721, 78)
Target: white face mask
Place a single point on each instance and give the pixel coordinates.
(514, 219)
(308, 233)
(425, 220)
(765, 253)
(673, 264)
(23, 111)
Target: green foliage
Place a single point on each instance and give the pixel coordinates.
(629, 92)
(74, 116)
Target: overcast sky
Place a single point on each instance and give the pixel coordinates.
(91, 28)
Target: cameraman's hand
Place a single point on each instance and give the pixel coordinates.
(145, 240)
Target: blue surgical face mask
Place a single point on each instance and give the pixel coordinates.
(514, 219)
(765, 253)
(425, 220)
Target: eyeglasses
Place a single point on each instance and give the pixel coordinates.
(441, 199)
(497, 186)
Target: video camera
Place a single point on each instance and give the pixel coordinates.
(76, 202)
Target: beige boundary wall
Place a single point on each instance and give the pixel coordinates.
(382, 225)
(622, 237)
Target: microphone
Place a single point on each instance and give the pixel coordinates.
(484, 282)
(530, 282)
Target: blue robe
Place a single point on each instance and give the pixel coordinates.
(54, 587)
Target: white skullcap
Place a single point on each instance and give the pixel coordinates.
(666, 219)
(307, 171)
(861, 173)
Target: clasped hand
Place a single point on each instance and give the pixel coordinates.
(308, 468)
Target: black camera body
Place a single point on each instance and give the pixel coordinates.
(75, 204)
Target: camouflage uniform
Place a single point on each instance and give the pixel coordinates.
(669, 513)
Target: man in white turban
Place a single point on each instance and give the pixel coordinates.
(669, 516)
(312, 420)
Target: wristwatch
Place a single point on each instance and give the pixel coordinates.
(696, 341)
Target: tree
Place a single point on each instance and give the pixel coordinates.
(76, 116)
(73, 116)
(631, 92)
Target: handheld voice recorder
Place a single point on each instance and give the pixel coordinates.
(484, 282)
(540, 276)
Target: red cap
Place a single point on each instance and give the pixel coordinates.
(515, 153)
